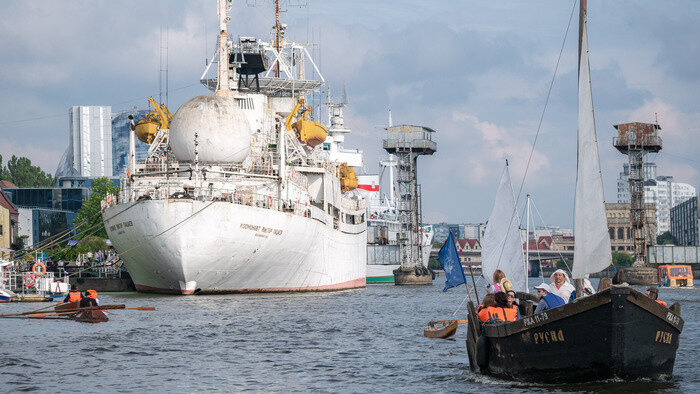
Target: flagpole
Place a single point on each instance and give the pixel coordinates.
(468, 293)
(474, 283)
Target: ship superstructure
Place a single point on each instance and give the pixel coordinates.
(239, 195)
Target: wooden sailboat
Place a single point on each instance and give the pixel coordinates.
(616, 333)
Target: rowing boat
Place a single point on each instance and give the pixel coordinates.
(441, 329)
(84, 316)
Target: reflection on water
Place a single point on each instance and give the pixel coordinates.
(358, 340)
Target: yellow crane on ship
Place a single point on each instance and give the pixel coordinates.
(312, 133)
(158, 119)
(309, 132)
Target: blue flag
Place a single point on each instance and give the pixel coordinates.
(449, 260)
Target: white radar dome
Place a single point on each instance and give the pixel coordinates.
(223, 131)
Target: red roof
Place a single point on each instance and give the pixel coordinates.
(467, 243)
(535, 246)
(7, 185)
(5, 203)
(547, 239)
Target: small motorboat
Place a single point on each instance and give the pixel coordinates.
(442, 329)
(677, 276)
(7, 296)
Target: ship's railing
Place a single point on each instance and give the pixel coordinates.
(105, 265)
(638, 139)
(352, 204)
(29, 283)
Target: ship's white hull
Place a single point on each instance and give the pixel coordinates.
(188, 246)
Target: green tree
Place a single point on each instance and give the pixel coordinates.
(621, 259)
(666, 239)
(21, 172)
(90, 211)
(561, 264)
(3, 172)
(90, 243)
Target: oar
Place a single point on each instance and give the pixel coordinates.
(30, 312)
(142, 308)
(460, 321)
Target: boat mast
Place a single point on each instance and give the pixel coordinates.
(581, 23)
(392, 163)
(527, 241)
(223, 88)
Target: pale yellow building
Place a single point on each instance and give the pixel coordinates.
(620, 226)
(8, 224)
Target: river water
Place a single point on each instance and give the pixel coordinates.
(351, 341)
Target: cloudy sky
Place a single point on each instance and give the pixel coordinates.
(475, 71)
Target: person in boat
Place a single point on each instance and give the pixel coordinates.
(73, 295)
(500, 283)
(513, 302)
(561, 286)
(548, 300)
(653, 293)
(488, 301)
(500, 312)
(89, 298)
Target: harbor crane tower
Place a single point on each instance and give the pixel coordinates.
(636, 140)
(406, 143)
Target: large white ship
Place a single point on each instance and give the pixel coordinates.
(239, 193)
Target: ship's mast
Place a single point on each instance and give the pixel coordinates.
(278, 41)
(223, 88)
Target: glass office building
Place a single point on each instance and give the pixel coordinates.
(120, 141)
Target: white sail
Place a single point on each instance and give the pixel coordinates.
(502, 247)
(592, 243)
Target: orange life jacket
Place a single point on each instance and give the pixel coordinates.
(92, 294)
(662, 303)
(483, 313)
(512, 313)
(495, 313)
(74, 296)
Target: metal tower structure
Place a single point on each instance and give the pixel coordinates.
(635, 140)
(406, 143)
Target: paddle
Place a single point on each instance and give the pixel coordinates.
(460, 321)
(30, 312)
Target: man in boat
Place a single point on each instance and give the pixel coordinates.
(548, 300)
(73, 295)
(653, 293)
(89, 298)
(561, 285)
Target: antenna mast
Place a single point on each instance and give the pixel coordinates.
(278, 41)
(223, 88)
